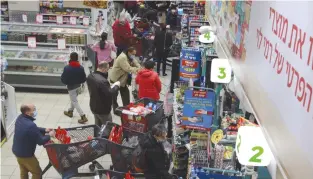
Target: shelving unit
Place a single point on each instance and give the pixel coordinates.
(36, 68)
(4, 11)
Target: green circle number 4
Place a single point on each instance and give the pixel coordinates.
(222, 74)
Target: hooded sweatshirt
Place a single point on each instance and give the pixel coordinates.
(149, 84)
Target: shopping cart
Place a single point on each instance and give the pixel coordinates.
(85, 147)
(124, 175)
(142, 123)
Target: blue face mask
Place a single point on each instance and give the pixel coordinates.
(35, 113)
(132, 57)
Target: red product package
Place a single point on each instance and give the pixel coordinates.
(62, 136)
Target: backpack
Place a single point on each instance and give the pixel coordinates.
(139, 159)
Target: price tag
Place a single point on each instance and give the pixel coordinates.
(31, 41)
(24, 17)
(73, 20)
(59, 19)
(220, 71)
(39, 18)
(61, 44)
(86, 21)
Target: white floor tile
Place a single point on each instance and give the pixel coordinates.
(7, 170)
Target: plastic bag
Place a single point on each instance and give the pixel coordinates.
(131, 142)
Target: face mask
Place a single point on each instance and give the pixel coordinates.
(132, 57)
(35, 113)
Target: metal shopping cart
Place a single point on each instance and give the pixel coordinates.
(141, 123)
(123, 175)
(85, 147)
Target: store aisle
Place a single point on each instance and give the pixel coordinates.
(50, 114)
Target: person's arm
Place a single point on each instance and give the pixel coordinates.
(36, 134)
(64, 77)
(83, 75)
(42, 130)
(136, 64)
(158, 84)
(106, 88)
(123, 63)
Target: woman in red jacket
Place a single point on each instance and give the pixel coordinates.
(149, 82)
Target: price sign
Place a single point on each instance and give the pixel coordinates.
(59, 19)
(61, 44)
(86, 21)
(251, 147)
(39, 18)
(24, 17)
(73, 20)
(220, 71)
(31, 41)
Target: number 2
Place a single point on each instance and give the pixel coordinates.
(222, 74)
(255, 158)
(239, 143)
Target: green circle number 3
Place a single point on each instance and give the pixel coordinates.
(222, 74)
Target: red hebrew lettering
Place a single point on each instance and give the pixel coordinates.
(283, 31)
(309, 87)
(294, 28)
(288, 71)
(295, 72)
(272, 11)
(278, 23)
(301, 88)
(260, 38)
(280, 59)
(302, 97)
(310, 57)
(268, 45)
(300, 42)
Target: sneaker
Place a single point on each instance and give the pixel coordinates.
(68, 113)
(83, 119)
(164, 74)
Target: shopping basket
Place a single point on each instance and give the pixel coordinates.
(85, 147)
(142, 123)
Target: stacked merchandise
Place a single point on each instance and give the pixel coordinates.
(195, 22)
(50, 10)
(4, 11)
(192, 7)
(184, 29)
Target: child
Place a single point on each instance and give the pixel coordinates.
(149, 82)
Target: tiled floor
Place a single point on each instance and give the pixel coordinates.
(50, 114)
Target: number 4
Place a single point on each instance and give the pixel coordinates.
(255, 158)
(222, 74)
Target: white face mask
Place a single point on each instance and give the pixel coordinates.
(35, 113)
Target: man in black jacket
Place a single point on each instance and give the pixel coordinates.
(162, 43)
(73, 76)
(157, 159)
(26, 137)
(101, 94)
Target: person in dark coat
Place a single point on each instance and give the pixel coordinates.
(157, 159)
(162, 43)
(73, 77)
(101, 94)
(26, 137)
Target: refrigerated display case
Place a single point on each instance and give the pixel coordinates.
(35, 68)
(46, 34)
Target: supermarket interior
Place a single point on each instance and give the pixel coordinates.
(223, 107)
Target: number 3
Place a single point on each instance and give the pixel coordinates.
(222, 73)
(255, 158)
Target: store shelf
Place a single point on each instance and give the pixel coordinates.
(46, 25)
(39, 74)
(41, 43)
(35, 62)
(38, 86)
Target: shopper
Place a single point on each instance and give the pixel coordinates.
(73, 76)
(101, 94)
(124, 65)
(121, 33)
(131, 7)
(26, 137)
(106, 51)
(162, 44)
(171, 18)
(149, 82)
(156, 158)
(118, 7)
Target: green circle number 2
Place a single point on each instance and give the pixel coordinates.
(255, 158)
(222, 74)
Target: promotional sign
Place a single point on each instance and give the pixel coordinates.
(73, 20)
(86, 21)
(31, 42)
(61, 44)
(190, 63)
(198, 109)
(24, 17)
(220, 71)
(206, 175)
(59, 19)
(251, 147)
(39, 18)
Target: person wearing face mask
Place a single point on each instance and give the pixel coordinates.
(156, 158)
(26, 137)
(101, 94)
(124, 65)
(106, 50)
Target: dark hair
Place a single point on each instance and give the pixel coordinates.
(74, 56)
(158, 130)
(103, 65)
(104, 37)
(24, 108)
(149, 64)
(130, 49)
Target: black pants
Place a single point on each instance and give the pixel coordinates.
(124, 91)
(163, 61)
